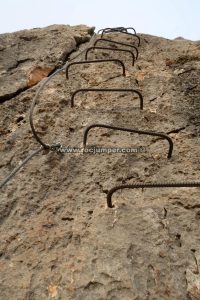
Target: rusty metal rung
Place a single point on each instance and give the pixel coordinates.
(110, 49)
(116, 29)
(147, 185)
(107, 90)
(162, 135)
(117, 43)
(94, 62)
(128, 33)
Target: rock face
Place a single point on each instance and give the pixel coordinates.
(58, 238)
(21, 55)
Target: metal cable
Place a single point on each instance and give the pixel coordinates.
(8, 178)
(47, 146)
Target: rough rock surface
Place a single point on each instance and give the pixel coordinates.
(58, 238)
(22, 59)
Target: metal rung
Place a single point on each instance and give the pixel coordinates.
(110, 49)
(162, 135)
(116, 29)
(107, 90)
(117, 43)
(94, 62)
(147, 185)
(128, 33)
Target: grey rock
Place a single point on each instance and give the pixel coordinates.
(23, 52)
(58, 238)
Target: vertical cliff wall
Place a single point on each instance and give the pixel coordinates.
(58, 238)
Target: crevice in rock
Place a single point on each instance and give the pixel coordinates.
(165, 213)
(101, 188)
(6, 211)
(67, 219)
(19, 62)
(169, 132)
(151, 281)
(7, 97)
(66, 56)
(153, 99)
(93, 285)
(7, 163)
(187, 71)
(110, 78)
(195, 260)
(128, 178)
(187, 206)
(124, 180)
(60, 64)
(191, 88)
(63, 61)
(176, 130)
(178, 240)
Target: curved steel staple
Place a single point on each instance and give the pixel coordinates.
(107, 90)
(110, 49)
(128, 33)
(162, 135)
(127, 28)
(116, 29)
(20, 166)
(108, 28)
(147, 185)
(117, 43)
(94, 62)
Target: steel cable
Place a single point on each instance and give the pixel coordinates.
(47, 146)
(9, 177)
